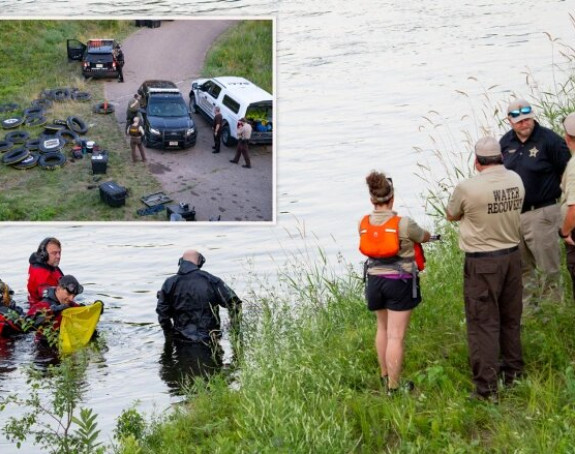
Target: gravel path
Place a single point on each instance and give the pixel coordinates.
(209, 182)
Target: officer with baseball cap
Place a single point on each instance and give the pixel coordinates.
(539, 156)
(488, 206)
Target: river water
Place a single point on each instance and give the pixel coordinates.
(360, 85)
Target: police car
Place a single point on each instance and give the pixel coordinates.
(98, 56)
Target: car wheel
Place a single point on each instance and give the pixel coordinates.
(194, 104)
(52, 161)
(227, 138)
(103, 108)
(76, 124)
(5, 145)
(27, 163)
(15, 156)
(17, 136)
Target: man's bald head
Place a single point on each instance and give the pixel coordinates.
(193, 256)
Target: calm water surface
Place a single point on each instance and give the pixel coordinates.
(355, 84)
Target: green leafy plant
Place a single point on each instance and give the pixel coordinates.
(130, 424)
(51, 419)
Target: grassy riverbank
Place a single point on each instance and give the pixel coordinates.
(308, 379)
(35, 59)
(244, 51)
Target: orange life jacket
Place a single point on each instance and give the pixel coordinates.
(382, 241)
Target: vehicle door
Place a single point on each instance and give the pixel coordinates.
(75, 49)
(208, 98)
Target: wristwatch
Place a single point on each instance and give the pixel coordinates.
(561, 233)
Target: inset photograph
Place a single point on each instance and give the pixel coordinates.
(138, 120)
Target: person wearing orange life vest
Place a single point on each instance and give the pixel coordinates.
(392, 290)
(136, 132)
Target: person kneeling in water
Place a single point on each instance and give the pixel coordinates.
(55, 300)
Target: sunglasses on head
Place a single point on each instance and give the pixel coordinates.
(71, 288)
(522, 111)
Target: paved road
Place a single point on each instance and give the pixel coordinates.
(207, 181)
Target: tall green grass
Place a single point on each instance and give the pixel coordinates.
(246, 51)
(308, 379)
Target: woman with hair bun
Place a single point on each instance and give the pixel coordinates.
(392, 289)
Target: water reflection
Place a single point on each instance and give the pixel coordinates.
(183, 361)
(8, 363)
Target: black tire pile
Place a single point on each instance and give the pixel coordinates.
(20, 151)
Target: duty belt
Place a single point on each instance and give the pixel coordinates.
(496, 253)
(538, 205)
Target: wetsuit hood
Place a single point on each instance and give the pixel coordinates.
(34, 260)
(187, 267)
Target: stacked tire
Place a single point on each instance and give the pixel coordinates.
(20, 151)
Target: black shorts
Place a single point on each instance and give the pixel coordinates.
(392, 294)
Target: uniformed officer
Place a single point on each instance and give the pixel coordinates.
(488, 206)
(539, 156)
(120, 61)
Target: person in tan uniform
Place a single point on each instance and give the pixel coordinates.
(568, 199)
(244, 135)
(392, 290)
(136, 133)
(488, 206)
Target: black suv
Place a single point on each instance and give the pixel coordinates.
(97, 56)
(167, 121)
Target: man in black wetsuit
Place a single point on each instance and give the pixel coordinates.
(188, 302)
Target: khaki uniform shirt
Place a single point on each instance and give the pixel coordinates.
(409, 232)
(490, 203)
(245, 132)
(568, 187)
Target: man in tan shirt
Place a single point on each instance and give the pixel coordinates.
(244, 135)
(488, 207)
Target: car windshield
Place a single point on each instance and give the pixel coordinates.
(167, 108)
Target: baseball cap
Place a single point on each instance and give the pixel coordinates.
(71, 284)
(569, 124)
(487, 146)
(519, 110)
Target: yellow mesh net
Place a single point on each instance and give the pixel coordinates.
(78, 326)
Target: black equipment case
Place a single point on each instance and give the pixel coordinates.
(183, 209)
(99, 163)
(113, 194)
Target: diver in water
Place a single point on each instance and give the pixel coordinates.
(12, 317)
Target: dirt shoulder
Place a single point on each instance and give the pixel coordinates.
(206, 181)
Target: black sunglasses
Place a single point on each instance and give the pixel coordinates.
(70, 288)
(523, 111)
